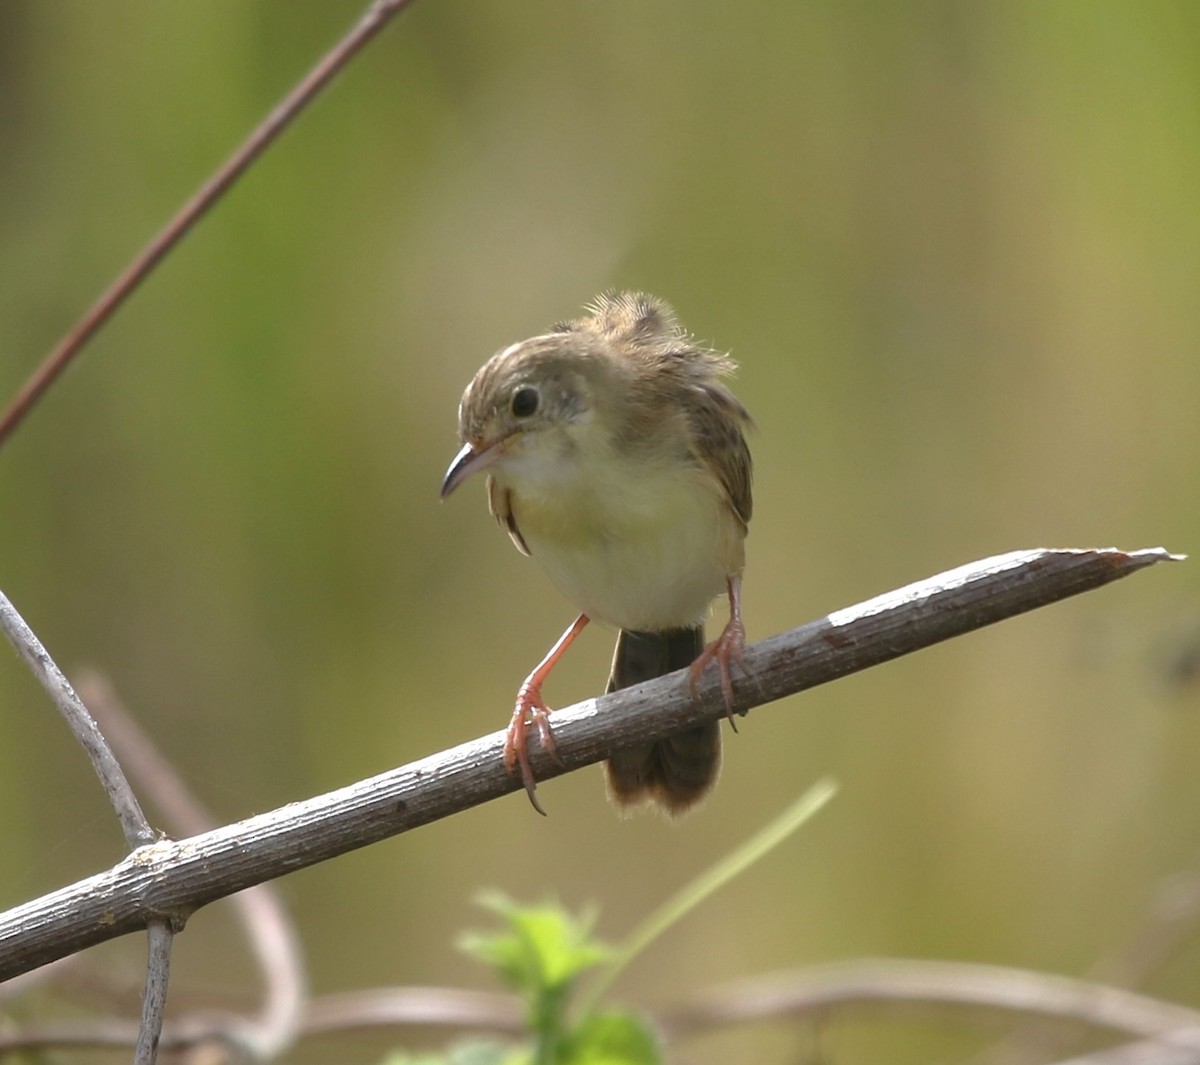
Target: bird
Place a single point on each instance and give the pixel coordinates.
(616, 457)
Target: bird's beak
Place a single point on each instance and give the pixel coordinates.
(469, 460)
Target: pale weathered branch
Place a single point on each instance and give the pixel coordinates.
(815, 990)
(269, 930)
(136, 827)
(112, 778)
(1172, 918)
(160, 937)
(902, 986)
(407, 1007)
(172, 879)
(1144, 1052)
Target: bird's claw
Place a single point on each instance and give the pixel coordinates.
(725, 650)
(531, 711)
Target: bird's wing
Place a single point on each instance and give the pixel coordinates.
(717, 423)
(500, 504)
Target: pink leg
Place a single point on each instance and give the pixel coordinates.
(531, 709)
(725, 648)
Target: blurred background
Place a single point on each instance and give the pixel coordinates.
(956, 251)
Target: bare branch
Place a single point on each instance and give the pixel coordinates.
(376, 17)
(1172, 919)
(154, 1001)
(392, 1007)
(133, 822)
(1173, 915)
(898, 984)
(268, 927)
(1146, 1052)
(375, 1008)
(97, 1034)
(872, 982)
(279, 1022)
(171, 879)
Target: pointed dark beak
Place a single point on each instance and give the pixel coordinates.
(469, 460)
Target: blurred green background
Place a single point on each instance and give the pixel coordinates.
(955, 249)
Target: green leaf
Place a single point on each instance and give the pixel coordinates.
(611, 1039)
(487, 1052)
(469, 1052)
(543, 949)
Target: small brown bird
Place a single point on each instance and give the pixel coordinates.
(616, 458)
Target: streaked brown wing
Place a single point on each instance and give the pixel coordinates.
(718, 423)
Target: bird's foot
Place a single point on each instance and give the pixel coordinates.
(531, 711)
(725, 650)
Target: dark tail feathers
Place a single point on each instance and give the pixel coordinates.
(675, 773)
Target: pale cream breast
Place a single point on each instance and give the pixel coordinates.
(642, 544)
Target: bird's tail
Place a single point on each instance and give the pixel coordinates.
(675, 773)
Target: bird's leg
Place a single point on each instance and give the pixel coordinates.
(726, 648)
(531, 709)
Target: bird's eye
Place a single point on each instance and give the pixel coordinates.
(525, 401)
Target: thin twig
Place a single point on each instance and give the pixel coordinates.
(154, 1002)
(898, 984)
(101, 1033)
(138, 831)
(395, 1007)
(816, 990)
(175, 878)
(267, 926)
(277, 1025)
(369, 24)
(1172, 918)
(386, 1008)
(1144, 1052)
(133, 822)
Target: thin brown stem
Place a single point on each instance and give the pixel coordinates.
(369, 24)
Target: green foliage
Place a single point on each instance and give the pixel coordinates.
(540, 951)
(611, 1039)
(475, 1052)
(544, 947)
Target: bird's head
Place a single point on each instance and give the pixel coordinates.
(532, 404)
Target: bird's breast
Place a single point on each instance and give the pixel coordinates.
(638, 545)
